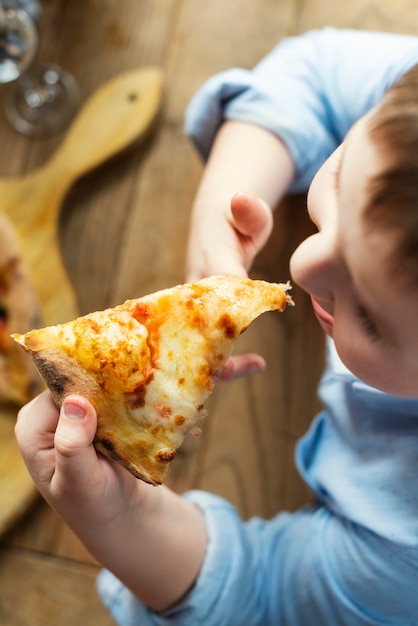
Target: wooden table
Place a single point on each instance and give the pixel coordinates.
(123, 234)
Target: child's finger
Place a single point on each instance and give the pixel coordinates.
(252, 216)
(239, 366)
(75, 457)
(34, 430)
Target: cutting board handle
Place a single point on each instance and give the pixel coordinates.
(113, 117)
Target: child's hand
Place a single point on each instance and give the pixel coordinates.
(226, 242)
(150, 538)
(83, 487)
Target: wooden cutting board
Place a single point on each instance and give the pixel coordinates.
(118, 113)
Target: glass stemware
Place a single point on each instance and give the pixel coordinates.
(41, 98)
(18, 42)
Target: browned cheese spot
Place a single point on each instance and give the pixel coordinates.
(136, 398)
(204, 379)
(165, 456)
(196, 313)
(94, 325)
(179, 420)
(226, 324)
(163, 410)
(141, 312)
(146, 315)
(199, 321)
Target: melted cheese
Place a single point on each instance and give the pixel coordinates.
(148, 364)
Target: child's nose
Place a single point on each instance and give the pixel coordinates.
(313, 266)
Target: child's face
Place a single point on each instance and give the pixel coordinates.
(345, 269)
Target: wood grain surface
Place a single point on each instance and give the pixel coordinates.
(122, 233)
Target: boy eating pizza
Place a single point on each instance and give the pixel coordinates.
(335, 111)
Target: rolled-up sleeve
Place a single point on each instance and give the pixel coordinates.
(308, 91)
(229, 589)
(300, 569)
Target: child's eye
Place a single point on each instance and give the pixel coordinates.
(368, 324)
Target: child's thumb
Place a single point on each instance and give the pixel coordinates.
(253, 217)
(75, 433)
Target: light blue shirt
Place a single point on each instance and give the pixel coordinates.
(352, 558)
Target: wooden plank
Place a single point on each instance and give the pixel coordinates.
(17, 489)
(40, 590)
(154, 242)
(43, 532)
(97, 213)
(385, 15)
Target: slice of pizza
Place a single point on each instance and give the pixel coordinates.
(147, 365)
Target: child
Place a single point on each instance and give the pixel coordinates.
(352, 557)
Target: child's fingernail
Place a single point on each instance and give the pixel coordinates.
(73, 411)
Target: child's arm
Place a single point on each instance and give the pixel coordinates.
(150, 538)
(228, 230)
(270, 129)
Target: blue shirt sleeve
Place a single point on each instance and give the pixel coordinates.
(303, 569)
(308, 91)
